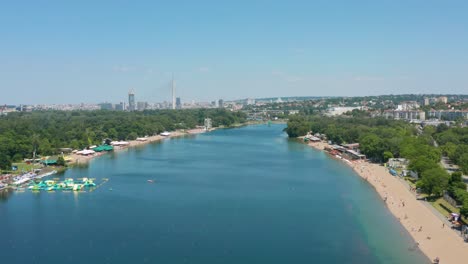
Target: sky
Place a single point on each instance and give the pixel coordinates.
(95, 51)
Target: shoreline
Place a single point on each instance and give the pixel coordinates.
(436, 238)
(79, 159)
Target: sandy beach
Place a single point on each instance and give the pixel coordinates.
(429, 230)
(80, 159)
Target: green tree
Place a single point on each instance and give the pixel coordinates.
(297, 126)
(371, 145)
(5, 162)
(448, 149)
(421, 164)
(61, 161)
(434, 181)
(387, 155)
(464, 208)
(132, 136)
(463, 161)
(456, 177)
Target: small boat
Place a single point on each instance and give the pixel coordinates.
(151, 181)
(165, 134)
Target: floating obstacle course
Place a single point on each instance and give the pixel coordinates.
(69, 184)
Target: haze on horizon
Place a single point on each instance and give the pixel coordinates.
(88, 51)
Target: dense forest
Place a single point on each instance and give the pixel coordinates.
(381, 139)
(46, 131)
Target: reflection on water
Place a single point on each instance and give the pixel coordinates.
(5, 194)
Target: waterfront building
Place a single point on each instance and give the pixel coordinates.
(131, 100)
(207, 123)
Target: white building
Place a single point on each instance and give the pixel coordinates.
(339, 110)
(207, 123)
(448, 114)
(405, 114)
(408, 105)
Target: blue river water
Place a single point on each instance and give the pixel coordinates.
(244, 195)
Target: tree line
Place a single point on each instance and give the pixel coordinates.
(44, 132)
(381, 139)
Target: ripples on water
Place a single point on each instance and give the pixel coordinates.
(246, 195)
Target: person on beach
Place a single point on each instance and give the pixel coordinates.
(420, 229)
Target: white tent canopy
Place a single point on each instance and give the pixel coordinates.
(85, 152)
(119, 143)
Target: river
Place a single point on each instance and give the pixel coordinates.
(244, 195)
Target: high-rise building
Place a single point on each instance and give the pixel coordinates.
(142, 106)
(443, 99)
(120, 107)
(178, 103)
(106, 106)
(220, 103)
(173, 94)
(427, 101)
(131, 100)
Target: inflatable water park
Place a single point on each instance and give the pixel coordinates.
(68, 184)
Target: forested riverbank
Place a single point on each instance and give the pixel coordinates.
(380, 139)
(45, 132)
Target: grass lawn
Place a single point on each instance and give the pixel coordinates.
(445, 208)
(410, 181)
(25, 167)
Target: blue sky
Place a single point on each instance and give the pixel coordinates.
(95, 51)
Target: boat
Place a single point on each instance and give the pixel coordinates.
(165, 134)
(150, 181)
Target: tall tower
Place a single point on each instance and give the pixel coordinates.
(131, 100)
(173, 93)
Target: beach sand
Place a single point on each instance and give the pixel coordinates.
(80, 159)
(436, 238)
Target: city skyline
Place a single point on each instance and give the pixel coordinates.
(235, 50)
